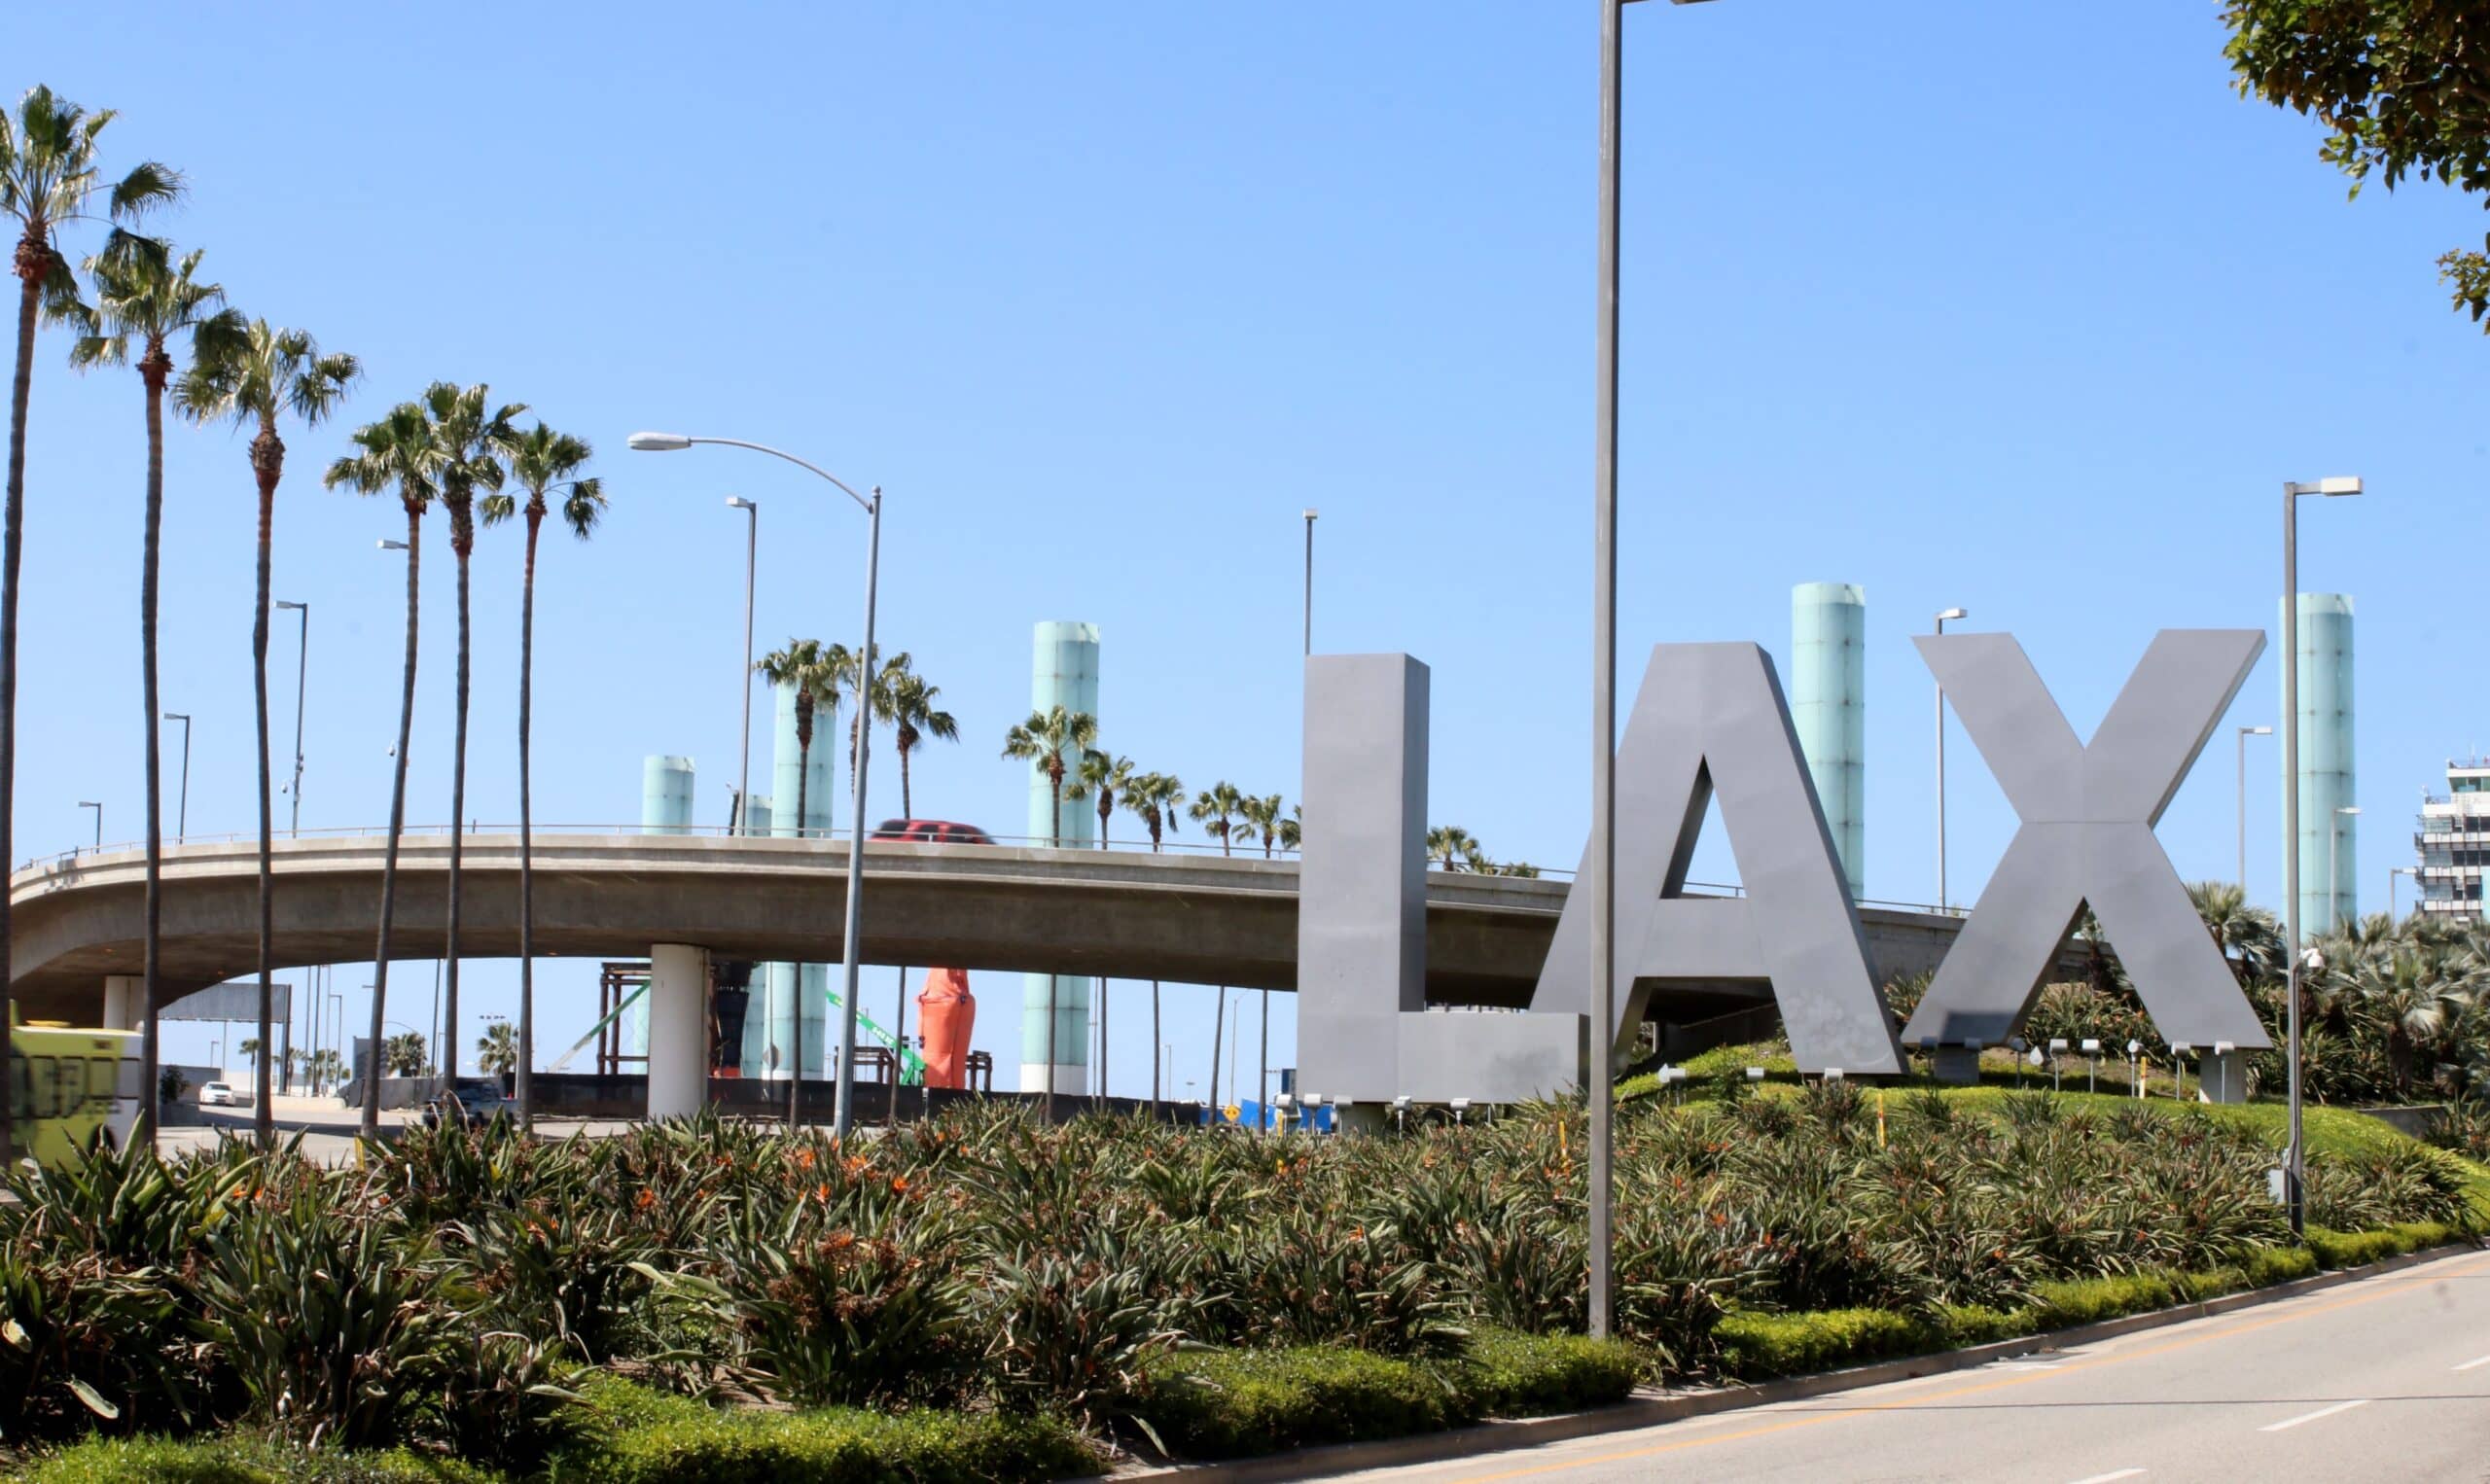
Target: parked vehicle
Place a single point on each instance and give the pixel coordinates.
(931, 831)
(216, 1095)
(73, 1089)
(470, 1099)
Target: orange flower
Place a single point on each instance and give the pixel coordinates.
(899, 1184)
(804, 1159)
(856, 1164)
(645, 1199)
(821, 1193)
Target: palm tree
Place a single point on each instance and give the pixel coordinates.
(403, 1054)
(2247, 934)
(916, 716)
(142, 294)
(473, 443)
(814, 673)
(1216, 806)
(1452, 846)
(875, 699)
(1044, 738)
(1293, 829)
(247, 373)
(2400, 988)
(1103, 778)
(47, 178)
(395, 451)
(1155, 797)
(545, 463)
(1264, 820)
(497, 1050)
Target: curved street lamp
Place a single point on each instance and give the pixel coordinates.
(844, 1114)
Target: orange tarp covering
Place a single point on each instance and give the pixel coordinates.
(947, 1013)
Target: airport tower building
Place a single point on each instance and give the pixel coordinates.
(2454, 842)
(2328, 842)
(1829, 707)
(1063, 671)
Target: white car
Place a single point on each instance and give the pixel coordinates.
(216, 1095)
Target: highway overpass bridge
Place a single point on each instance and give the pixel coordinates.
(1122, 914)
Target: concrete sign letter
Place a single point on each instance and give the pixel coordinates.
(1711, 721)
(1364, 1032)
(2086, 837)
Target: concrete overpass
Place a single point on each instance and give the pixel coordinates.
(1121, 914)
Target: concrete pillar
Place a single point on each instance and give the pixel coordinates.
(1828, 708)
(1063, 671)
(124, 996)
(2327, 778)
(678, 1029)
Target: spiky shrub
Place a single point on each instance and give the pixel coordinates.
(86, 1343)
(337, 1327)
(1073, 1330)
(835, 1315)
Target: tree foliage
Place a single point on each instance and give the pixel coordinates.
(2402, 88)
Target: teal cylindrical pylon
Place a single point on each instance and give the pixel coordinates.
(1063, 671)
(2328, 842)
(1829, 707)
(666, 808)
(789, 987)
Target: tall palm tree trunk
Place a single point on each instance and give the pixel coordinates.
(268, 464)
(462, 540)
(527, 1086)
(907, 809)
(1218, 1037)
(370, 1122)
(153, 370)
(31, 260)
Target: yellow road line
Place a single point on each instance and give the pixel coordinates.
(2385, 1287)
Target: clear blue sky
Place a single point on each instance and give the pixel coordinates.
(2007, 307)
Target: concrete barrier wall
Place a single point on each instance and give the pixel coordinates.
(622, 1095)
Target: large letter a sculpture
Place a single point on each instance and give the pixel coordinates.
(1711, 721)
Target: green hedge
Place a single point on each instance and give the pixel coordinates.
(235, 1460)
(1232, 1403)
(2341, 1248)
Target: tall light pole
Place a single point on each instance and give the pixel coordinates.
(181, 816)
(743, 754)
(2294, 1158)
(843, 1116)
(1310, 514)
(1941, 620)
(2245, 733)
(87, 803)
(301, 678)
(2334, 864)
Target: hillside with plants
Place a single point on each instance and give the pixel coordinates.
(981, 1296)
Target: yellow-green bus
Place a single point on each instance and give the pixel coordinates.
(72, 1089)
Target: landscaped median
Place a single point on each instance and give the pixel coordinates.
(983, 1299)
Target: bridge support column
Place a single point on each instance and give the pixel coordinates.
(124, 1001)
(678, 1029)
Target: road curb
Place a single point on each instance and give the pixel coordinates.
(1649, 1408)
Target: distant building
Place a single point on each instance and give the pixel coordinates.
(2454, 841)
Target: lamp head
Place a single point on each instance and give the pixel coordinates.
(739, 503)
(1952, 613)
(657, 442)
(177, 715)
(386, 544)
(292, 607)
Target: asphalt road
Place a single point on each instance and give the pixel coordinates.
(2384, 1379)
(328, 1127)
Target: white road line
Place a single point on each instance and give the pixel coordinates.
(2475, 1364)
(2340, 1406)
(2107, 1479)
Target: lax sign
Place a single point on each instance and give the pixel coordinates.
(1710, 723)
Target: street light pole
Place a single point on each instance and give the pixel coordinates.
(1310, 514)
(2245, 733)
(2294, 1158)
(743, 754)
(182, 817)
(301, 678)
(843, 1116)
(85, 804)
(1951, 613)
